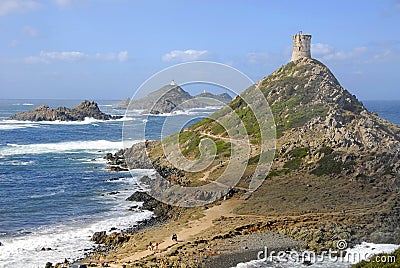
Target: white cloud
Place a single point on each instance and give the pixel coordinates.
(63, 3)
(62, 56)
(123, 56)
(11, 6)
(185, 55)
(29, 31)
(74, 56)
(258, 57)
(120, 56)
(345, 55)
(321, 49)
(13, 43)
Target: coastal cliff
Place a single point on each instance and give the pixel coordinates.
(335, 174)
(78, 113)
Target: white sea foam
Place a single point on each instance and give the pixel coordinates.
(353, 255)
(5, 126)
(27, 104)
(50, 193)
(17, 163)
(95, 147)
(15, 124)
(65, 241)
(68, 240)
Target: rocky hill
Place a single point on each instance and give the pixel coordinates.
(172, 97)
(78, 113)
(336, 166)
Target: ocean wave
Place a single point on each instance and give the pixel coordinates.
(23, 104)
(88, 120)
(12, 126)
(64, 240)
(93, 147)
(17, 163)
(36, 196)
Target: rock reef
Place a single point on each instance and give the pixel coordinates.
(87, 109)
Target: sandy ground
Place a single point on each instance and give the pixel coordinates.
(186, 233)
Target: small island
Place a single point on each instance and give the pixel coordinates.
(86, 109)
(171, 98)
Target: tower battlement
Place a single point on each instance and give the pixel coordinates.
(301, 46)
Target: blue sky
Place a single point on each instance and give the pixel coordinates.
(105, 49)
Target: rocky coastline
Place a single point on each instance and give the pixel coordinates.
(86, 109)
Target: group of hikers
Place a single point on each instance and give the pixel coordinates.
(154, 246)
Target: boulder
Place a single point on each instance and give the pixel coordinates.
(99, 237)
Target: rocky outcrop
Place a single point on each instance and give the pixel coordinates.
(172, 98)
(78, 113)
(164, 106)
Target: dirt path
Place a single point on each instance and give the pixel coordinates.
(193, 228)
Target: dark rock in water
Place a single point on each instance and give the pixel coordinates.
(1, 244)
(117, 169)
(78, 113)
(113, 179)
(140, 197)
(48, 265)
(99, 237)
(113, 193)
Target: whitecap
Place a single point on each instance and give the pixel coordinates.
(17, 163)
(65, 241)
(12, 126)
(36, 196)
(93, 147)
(27, 104)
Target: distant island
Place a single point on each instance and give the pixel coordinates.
(172, 97)
(78, 113)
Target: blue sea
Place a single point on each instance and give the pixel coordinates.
(54, 186)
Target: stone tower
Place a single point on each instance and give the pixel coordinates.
(301, 46)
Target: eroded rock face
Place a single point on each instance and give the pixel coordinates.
(78, 113)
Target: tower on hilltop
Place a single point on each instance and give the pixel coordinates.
(301, 46)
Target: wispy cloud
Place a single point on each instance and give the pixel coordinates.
(120, 56)
(15, 6)
(321, 49)
(13, 43)
(258, 57)
(329, 53)
(185, 55)
(29, 31)
(63, 3)
(74, 56)
(345, 55)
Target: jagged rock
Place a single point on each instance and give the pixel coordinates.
(99, 237)
(78, 113)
